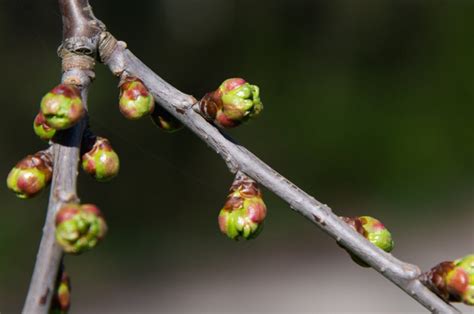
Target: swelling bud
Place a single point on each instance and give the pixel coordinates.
(373, 230)
(42, 129)
(62, 107)
(61, 301)
(135, 99)
(101, 162)
(30, 175)
(79, 227)
(165, 120)
(244, 211)
(453, 280)
(233, 103)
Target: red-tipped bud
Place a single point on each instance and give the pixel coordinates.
(233, 103)
(165, 121)
(244, 211)
(453, 280)
(61, 301)
(31, 175)
(79, 228)
(135, 99)
(42, 129)
(374, 231)
(62, 107)
(101, 162)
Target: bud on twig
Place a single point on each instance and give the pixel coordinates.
(233, 103)
(165, 121)
(101, 162)
(62, 107)
(61, 301)
(42, 129)
(244, 211)
(135, 99)
(374, 231)
(31, 175)
(79, 227)
(453, 281)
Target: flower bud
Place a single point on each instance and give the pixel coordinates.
(374, 231)
(244, 211)
(135, 99)
(101, 162)
(79, 227)
(30, 175)
(165, 121)
(62, 107)
(453, 281)
(42, 129)
(61, 301)
(233, 103)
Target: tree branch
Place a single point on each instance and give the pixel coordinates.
(80, 39)
(77, 15)
(180, 105)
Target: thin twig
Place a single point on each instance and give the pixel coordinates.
(180, 105)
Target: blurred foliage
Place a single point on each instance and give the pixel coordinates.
(368, 106)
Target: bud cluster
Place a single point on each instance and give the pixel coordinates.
(233, 103)
(79, 227)
(453, 280)
(244, 211)
(31, 175)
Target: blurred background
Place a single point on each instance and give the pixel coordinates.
(368, 107)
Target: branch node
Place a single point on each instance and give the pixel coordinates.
(111, 52)
(78, 68)
(79, 45)
(107, 45)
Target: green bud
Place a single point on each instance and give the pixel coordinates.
(165, 121)
(79, 227)
(62, 107)
(31, 175)
(452, 280)
(233, 103)
(101, 162)
(135, 99)
(42, 129)
(61, 301)
(244, 211)
(374, 231)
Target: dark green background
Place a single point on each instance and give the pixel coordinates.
(368, 107)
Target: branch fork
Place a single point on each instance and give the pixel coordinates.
(84, 39)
